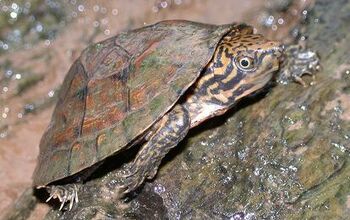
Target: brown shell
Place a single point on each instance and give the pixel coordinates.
(117, 89)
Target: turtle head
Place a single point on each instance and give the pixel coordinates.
(248, 60)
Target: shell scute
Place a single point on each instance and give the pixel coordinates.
(118, 89)
(79, 154)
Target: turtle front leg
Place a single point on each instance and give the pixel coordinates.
(169, 131)
(64, 193)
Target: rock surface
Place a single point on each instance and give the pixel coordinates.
(283, 155)
(280, 155)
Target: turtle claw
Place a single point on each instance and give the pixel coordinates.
(70, 205)
(62, 204)
(51, 196)
(65, 194)
(76, 196)
(132, 178)
(128, 174)
(73, 198)
(298, 61)
(136, 175)
(129, 187)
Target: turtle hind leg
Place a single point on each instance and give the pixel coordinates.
(169, 131)
(64, 193)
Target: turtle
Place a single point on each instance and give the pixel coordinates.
(147, 86)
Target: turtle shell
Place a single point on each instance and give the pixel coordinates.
(120, 87)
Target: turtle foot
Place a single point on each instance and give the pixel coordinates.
(64, 193)
(134, 177)
(298, 61)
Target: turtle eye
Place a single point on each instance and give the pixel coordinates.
(246, 63)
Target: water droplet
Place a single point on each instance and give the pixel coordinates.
(204, 143)
(241, 155)
(164, 4)
(13, 15)
(81, 8)
(293, 168)
(237, 216)
(107, 32)
(257, 171)
(280, 21)
(47, 42)
(96, 8)
(303, 107)
(269, 20)
(51, 93)
(289, 120)
(29, 108)
(5, 89)
(5, 8)
(339, 146)
(115, 11)
(19, 115)
(3, 135)
(8, 73)
(18, 76)
(96, 23)
(14, 6)
(159, 189)
(4, 115)
(39, 27)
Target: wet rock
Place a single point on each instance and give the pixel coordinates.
(281, 155)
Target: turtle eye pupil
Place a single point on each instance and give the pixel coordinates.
(244, 63)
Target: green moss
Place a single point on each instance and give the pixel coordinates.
(297, 115)
(296, 137)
